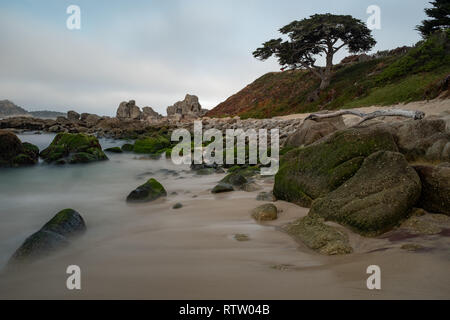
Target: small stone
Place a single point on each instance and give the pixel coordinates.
(177, 206)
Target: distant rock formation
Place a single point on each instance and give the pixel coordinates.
(188, 108)
(128, 111)
(10, 109)
(150, 115)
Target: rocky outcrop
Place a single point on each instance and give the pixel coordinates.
(55, 234)
(435, 195)
(128, 111)
(73, 148)
(312, 130)
(149, 191)
(150, 115)
(318, 236)
(376, 198)
(189, 108)
(308, 173)
(73, 115)
(14, 153)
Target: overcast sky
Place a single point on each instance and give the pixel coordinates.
(157, 51)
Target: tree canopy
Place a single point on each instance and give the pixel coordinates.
(320, 34)
(440, 18)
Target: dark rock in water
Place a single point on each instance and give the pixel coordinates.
(14, 153)
(114, 150)
(316, 235)
(376, 198)
(265, 212)
(311, 172)
(73, 148)
(205, 171)
(149, 191)
(222, 187)
(177, 206)
(55, 234)
(127, 147)
(435, 195)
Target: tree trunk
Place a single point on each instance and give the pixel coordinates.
(328, 69)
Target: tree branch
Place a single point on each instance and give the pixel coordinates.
(416, 115)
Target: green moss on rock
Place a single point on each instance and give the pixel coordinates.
(149, 191)
(307, 173)
(74, 148)
(376, 198)
(127, 147)
(151, 145)
(114, 150)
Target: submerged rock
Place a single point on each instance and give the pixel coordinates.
(311, 172)
(376, 198)
(14, 153)
(177, 206)
(235, 179)
(127, 147)
(149, 191)
(151, 145)
(55, 234)
(435, 195)
(73, 148)
(265, 212)
(316, 235)
(114, 150)
(266, 196)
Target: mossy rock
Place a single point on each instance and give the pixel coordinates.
(149, 191)
(14, 153)
(246, 171)
(127, 147)
(376, 198)
(265, 212)
(235, 179)
(318, 236)
(73, 148)
(177, 206)
(311, 172)
(114, 150)
(54, 235)
(222, 187)
(151, 145)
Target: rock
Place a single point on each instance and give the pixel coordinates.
(14, 153)
(188, 108)
(266, 196)
(318, 236)
(91, 120)
(376, 198)
(412, 247)
(114, 150)
(312, 130)
(435, 195)
(235, 179)
(421, 226)
(241, 237)
(177, 206)
(147, 192)
(222, 187)
(127, 147)
(73, 115)
(150, 115)
(425, 139)
(151, 145)
(250, 187)
(73, 148)
(311, 172)
(55, 234)
(128, 111)
(265, 212)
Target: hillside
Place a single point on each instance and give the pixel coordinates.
(9, 109)
(389, 77)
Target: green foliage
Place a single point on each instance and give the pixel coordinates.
(440, 18)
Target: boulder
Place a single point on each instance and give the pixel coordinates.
(235, 179)
(380, 194)
(307, 173)
(73, 148)
(435, 195)
(14, 153)
(150, 115)
(265, 212)
(91, 120)
(318, 236)
(55, 234)
(114, 150)
(222, 187)
(151, 145)
(149, 191)
(73, 115)
(128, 111)
(312, 130)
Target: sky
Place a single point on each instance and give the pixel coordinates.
(157, 51)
